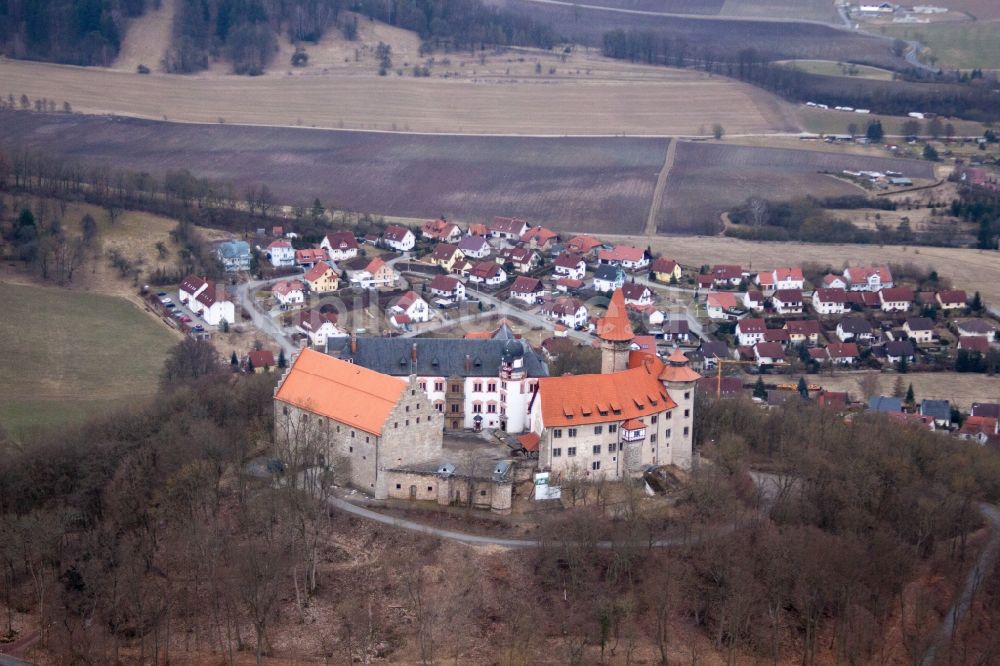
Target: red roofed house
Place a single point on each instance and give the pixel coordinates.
(628, 257)
(441, 230)
(951, 299)
(974, 343)
(830, 301)
(309, 257)
(289, 292)
(526, 289)
(508, 228)
(213, 305)
(979, 428)
(319, 326)
(765, 280)
(769, 353)
(375, 275)
(582, 245)
(805, 331)
(896, 299)
(750, 331)
(726, 275)
(566, 310)
(413, 306)
(340, 245)
(522, 259)
(447, 256)
(447, 287)
(570, 265)
(398, 238)
(719, 304)
(261, 360)
(833, 399)
(788, 278)
(540, 238)
(477, 229)
(753, 300)
(322, 279)
(190, 287)
(665, 270)
(787, 301)
(281, 254)
(868, 278)
(637, 294)
(778, 335)
(842, 353)
(831, 281)
(489, 273)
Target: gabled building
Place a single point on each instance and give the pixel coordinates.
(441, 231)
(488, 273)
(753, 300)
(868, 278)
(319, 326)
(540, 238)
(628, 257)
(750, 331)
(778, 335)
(309, 257)
(897, 350)
(507, 228)
(607, 278)
(571, 266)
(584, 246)
(566, 310)
(854, 328)
(413, 306)
(376, 274)
(939, 410)
(979, 429)
(769, 353)
(721, 305)
(474, 247)
(787, 301)
(637, 294)
(527, 289)
(977, 328)
(831, 281)
(212, 304)
(190, 287)
(830, 301)
(974, 343)
(399, 238)
(322, 279)
(801, 332)
(919, 329)
(447, 288)
(843, 353)
(289, 292)
(340, 245)
(951, 299)
(727, 275)
(521, 259)
(280, 253)
(788, 278)
(665, 270)
(234, 255)
(895, 299)
(446, 255)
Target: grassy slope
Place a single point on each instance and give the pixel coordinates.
(831, 68)
(67, 354)
(964, 45)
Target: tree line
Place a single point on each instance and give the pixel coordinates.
(942, 93)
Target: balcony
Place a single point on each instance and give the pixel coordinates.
(633, 430)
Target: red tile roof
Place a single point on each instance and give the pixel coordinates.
(615, 326)
(952, 297)
(444, 252)
(540, 235)
(663, 265)
(342, 240)
(841, 350)
(751, 325)
(529, 441)
(568, 260)
(395, 233)
(311, 256)
(526, 285)
(788, 295)
(805, 327)
(621, 253)
(832, 295)
(582, 244)
(262, 358)
(507, 225)
(896, 294)
(317, 271)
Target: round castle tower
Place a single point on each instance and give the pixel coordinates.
(615, 332)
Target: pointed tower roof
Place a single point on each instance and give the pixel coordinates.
(615, 326)
(677, 369)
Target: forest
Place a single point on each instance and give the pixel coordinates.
(145, 536)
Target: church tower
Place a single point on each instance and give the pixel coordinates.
(680, 380)
(615, 333)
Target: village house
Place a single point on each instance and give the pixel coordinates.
(289, 292)
(613, 424)
(978, 328)
(488, 273)
(190, 287)
(340, 245)
(571, 266)
(989, 409)
(831, 281)
(868, 278)
(837, 400)
(885, 404)
(260, 361)
(280, 253)
(413, 307)
(750, 331)
(309, 257)
(920, 330)
(753, 300)
(830, 301)
(583, 246)
(628, 257)
(727, 275)
(521, 259)
(788, 278)
(398, 238)
(974, 343)
(322, 279)
(608, 277)
(854, 328)
(473, 383)
(787, 301)
(527, 289)
(445, 256)
(441, 231)
(803, 332)
(207, 300)
(712, 351)
(676, 330)
(895, 299)
(637, 294)
(721, 305)
(842, 353)
(939, 410)
(474, 247)
(507, 228)
(769, 353)
(318, 326)
(765, 280)
(567, 285)
(376, 274)
(665, 270)
(778, 335)
(897, 350)
(951, 299)
(447, 288)
(860, 300)
(234, 255)
(566, 310)
(540, 238)
(979, 429)
(477, 229)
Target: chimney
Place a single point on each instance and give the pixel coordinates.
(354, 344)
(413, 352)
(468, 363)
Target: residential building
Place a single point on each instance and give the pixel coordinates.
(831, 281)
(765, 280)
(721, 305)
(712, 351)
(676, 331)
(750, 331)
(974, 343)
(234, 255)
(540, 238)
(727, 275)
(207, 300)
(803, 332)
(665, 270)
(951, 299)
(441, 231)
(571, 266)
(830, 301)
(939, 410)
(413, 306)
(309, 257)
(637, 294)
(628, 257)
(769, 353)
(978, 328)
(190, 287)
(487, 273)
(289, 292)
(566, 310)
(474, 247)
(319, 326)
(398, 238)
(584, 246)
(884, 404)
(753, 300)
(608, 277)
(281, 254)
(446, 255)
(322, 279)
(919, 329)
(842, 353)
(477, 229)
(473, 383)
(988, 409)
(521, 259)
(788, 278)
(260, 360)
(778, 335)
(340, 245)
(895, 299)
(897, 350)
(447, 288)
(527, 289)
(507, 228)
(787, 301)
(854, 328)
(376, 274)
(868, 278)
(863, 299)
(979, 429)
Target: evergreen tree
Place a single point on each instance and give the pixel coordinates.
(234, 361)
(249, 364)
(910, 398)
(874, 133)
(803, 388)
(904, 365)
(977, 302)
(282, 361)
(759, 390)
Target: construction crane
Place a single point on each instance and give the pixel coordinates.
(718, 378)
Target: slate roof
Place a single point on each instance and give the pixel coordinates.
(608, 272)
(436, 357)
(855, 325)
(940, 410)
(885, 404)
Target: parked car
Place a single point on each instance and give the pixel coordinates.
(186, 319)
(161, 294)
(199, 328)
(169, 306)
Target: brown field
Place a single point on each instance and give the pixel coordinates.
(708, 177)
(984, 10)
(147, 38)
(972, 270)
(659, 101)
(836, 122)
(563, 182)
(961, 389)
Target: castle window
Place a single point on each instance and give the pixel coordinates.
(398, 487)
(687, 413)
(612, 427)
(612, 447)
(687, 395)
(652, 438)
(477, 387)
(598, 430)
(556, 453)
(571, 451)
(596, 465)
(557, 433)
(667, 433)
(572, 432)
(654, 418)
(597, 449)
(284, 410)
(353, 433)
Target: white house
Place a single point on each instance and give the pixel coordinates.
(951, 299)
(720, 304)
(570, 266)
(895, 299)
(567, 311)
(831, 281)
(191, 287)
(854, 328)
(829, 301)
(637, 294)
(977, 328)
(788, 278)
(319, 326)
(753, 300)
(750, 331)
(474, 247)
(868, 278)
(488, 273)
(526, 289)
(608, 277)
(340, 246)
(787, 301)
(919, 329)
(441, 231)
(413, 306)
(214, 306)
(521, 259)
(234, 255)
(508, 228)
(281, 254)
(289, 292)
(628, 257)
(448, 288)
(399, 238)
(769, 353)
